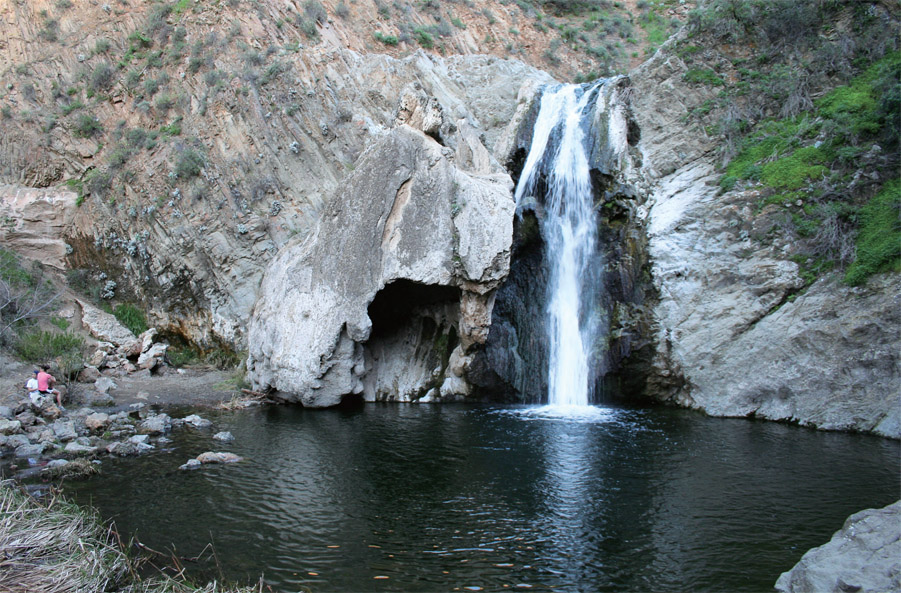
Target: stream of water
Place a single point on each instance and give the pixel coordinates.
(558, 157)
(404, 497)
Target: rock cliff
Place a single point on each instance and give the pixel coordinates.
(735, 334)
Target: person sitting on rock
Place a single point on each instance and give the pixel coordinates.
(34, 392)
(45, 385)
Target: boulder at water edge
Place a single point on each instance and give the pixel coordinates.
(864, 556)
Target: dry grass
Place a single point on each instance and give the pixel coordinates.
(54, 548)
(59, 548)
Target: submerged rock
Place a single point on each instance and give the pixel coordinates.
(196, 421)
(218, 457)
(864, 556)
(211, 457)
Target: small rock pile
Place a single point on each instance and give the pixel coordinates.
(119, 352)
(140, 355)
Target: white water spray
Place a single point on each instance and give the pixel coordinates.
(558, 156)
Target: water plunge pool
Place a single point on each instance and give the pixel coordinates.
(396, 497)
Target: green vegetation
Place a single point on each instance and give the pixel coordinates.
(878, 245)
(87, 126)
(386, 39)
(703, 76)
(65, 349)
(424, 38)
(810, 119)
(189, 164)
(73, 106)
(181, 6)
(101, 78)
(131, 317)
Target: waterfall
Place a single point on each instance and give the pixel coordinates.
(557, 165)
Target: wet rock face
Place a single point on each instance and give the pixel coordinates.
(416, 220)
(513, 364)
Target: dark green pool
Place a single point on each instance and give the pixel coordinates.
(443, 498)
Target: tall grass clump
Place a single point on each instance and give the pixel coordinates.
(56, 548)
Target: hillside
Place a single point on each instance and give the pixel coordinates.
(190, 132)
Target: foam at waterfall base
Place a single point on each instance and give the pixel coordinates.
(583, 414)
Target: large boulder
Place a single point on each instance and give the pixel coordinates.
(106, 327)
(400, 273)
(864, 556)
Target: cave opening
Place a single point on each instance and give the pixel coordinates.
(398, 303)
(414, 332)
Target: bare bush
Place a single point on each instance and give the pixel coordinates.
(23, 295)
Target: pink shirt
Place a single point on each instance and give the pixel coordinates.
(44, 380)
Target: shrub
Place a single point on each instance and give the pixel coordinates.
(87, 126)
(97, 182)
(70, 107)
(424, 38)
(138, 39)
(164, 102)
(25, 293)
(101, 77)
(50, 30)
(189, 164)
(314, 11)
(132, 78)
(703, 76)
(101, 46)
(386, 39)
(308, 27)
(44, 346)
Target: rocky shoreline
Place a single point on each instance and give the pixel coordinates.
(52, 441)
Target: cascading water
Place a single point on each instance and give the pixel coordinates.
(557, 164)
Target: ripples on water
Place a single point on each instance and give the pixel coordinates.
(442, 498)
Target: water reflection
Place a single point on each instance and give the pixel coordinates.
(436, 498)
